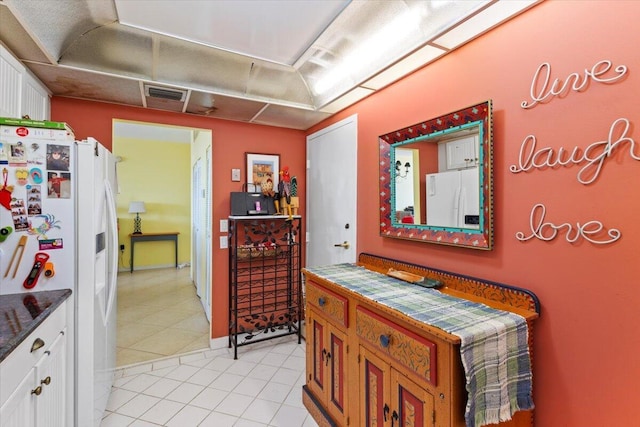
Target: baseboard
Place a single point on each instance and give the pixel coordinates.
(150, 267)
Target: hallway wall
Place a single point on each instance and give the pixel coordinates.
(230, 142)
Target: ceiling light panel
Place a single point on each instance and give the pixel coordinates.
(408, 65)
(372, 35)
(346, 100)
(483, 21)
(275, 30)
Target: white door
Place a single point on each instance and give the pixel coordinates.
(196, 230)
(332, 193)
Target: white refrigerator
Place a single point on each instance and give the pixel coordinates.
(453, 199)
(57, 198)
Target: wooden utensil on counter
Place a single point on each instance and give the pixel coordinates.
(19, 247)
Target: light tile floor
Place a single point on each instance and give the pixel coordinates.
(209, 388)
(159, 315)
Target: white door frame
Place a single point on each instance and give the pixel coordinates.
(196, 204)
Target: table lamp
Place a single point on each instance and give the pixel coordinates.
(137, 208)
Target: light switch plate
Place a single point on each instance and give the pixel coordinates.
(224, 225)
(224, 242)
(235, 174)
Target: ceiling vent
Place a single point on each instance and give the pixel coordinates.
(165, 93)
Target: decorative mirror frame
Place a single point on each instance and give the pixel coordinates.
(460, 237)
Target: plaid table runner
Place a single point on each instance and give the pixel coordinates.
(494, 343)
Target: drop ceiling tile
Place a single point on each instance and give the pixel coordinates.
(294, 118)
(223, 107)
(85, 85)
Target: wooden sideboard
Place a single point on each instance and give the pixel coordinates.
(368, 364)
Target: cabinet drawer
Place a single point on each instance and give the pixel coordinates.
(330, 304)
(413, 351)
(18, 363)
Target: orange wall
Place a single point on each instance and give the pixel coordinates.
(230, 141)
(586, 342)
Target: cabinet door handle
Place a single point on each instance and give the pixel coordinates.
(321, 302)
(37, 391)
(385, 412)
(394, 418)
(327, 359)
(46, 381)
(38, 343)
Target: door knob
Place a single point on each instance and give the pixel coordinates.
(345, 245)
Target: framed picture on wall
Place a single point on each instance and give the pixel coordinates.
(261, 167)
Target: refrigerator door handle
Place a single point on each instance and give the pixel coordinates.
(432, 185)
(113, 227)
(461, 207)
(457, 209)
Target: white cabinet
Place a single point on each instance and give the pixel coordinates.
(462, 153)
(51, 375)
(18, 410)
(22, 94)
(34, 389)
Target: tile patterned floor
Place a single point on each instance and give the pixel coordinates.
(168, 376)
(209, 388)
(159, 315)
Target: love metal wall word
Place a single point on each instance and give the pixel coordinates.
(592, 157)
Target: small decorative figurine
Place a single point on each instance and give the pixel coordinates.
(284, 188)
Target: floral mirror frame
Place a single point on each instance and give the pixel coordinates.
(479, 115)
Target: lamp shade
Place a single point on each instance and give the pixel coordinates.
(136, 207)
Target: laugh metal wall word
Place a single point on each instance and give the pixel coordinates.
(593, 157)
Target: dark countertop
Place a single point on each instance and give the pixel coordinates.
(20, 314)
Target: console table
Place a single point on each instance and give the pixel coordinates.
(381, 351)
(154, 237)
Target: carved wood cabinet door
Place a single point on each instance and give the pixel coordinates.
(388, 398)
(327, 371)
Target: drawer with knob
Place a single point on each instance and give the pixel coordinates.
(414, 352)
(329, 303)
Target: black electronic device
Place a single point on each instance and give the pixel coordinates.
(243, 203)
(472, 219)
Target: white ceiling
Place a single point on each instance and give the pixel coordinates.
(286, 63)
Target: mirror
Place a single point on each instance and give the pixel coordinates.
(436, 180)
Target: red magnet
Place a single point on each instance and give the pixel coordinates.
(5, 191)
(34, 274)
